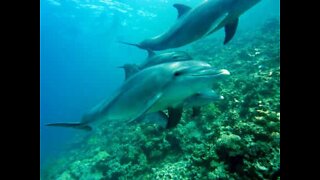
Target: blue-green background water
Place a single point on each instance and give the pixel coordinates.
(80, 53)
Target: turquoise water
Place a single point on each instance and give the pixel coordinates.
(79, 59)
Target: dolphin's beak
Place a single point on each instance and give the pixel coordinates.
(120, 66)
(224, 72)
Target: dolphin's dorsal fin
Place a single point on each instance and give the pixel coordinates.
(129, 70)
(230, 29)
(174, 116)
(182, 9)
(150, 53)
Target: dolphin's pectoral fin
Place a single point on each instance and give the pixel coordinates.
(196, 110)
(218, 23)
(149, 104)
(230, 30)
(182, 9)
(174, 116)
(150, 53)
(81, 126)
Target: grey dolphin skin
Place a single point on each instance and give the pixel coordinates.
(155, 59)
(201, 98)
(204, 19)
(130, 69)
(196, 101)
(173, 56)
(153, 89)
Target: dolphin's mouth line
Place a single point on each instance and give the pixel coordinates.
(198, 75)
(212, 74)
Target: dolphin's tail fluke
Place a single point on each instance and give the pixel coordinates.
(81, 126)
(131, 44)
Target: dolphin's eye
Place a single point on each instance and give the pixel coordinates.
(178, 73)
(181, 72)
(175, 57)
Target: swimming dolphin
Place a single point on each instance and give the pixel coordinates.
(200, 99)
(204, 19)
(154, 59)
(195, 101)
(173, 56)
(153, 89)
(160, 117)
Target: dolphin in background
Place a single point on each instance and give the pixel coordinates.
(155, 59)
(153, 89)
(200, 99)
(203, 20)
(173, 56)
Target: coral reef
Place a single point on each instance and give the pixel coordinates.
(237, 138)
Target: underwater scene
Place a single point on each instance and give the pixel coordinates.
(159, 89)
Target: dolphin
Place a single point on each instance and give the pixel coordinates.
(195, 101)
(160, 117)
(154, 59)
(193, 24)
(203, 98)
(153, 89)
(200, 99)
